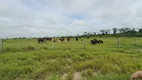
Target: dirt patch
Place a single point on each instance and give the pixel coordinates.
(85, 78)
(65, 76)
(52, 60)
(18, 78)
(77, 76)
(140, 50)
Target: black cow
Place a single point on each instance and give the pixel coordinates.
(47, 38)
(54, 40)
(100, 41)
(61, 39)
(94, 41)
(41, 40)
(76, 38)
(68, 39)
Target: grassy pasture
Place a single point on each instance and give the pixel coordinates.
(25, 59)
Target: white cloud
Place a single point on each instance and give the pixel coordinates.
(66, 17)
(78, 23)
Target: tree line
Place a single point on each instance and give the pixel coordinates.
(118, 32)
(114, 32)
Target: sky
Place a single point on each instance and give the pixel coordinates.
(37, 18)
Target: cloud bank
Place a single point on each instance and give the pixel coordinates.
(66, 17)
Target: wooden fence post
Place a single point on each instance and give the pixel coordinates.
(118, 41)
(52, 43)
(1, 45)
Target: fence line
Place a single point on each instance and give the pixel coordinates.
(84, 43)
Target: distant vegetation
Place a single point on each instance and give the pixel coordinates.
(114, 32)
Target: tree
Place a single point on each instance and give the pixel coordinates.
(85, 34)
(107, 31)
(102, 31)
(127, 29)
(88, 34)
(133, 31)
(114, 30)
(91, 33)
(94, 33)
(140, 31)
(121, 30)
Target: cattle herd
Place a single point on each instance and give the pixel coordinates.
(93, 42)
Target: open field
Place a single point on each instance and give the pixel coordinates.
(25, 59)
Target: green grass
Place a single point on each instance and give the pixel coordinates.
(25, 59)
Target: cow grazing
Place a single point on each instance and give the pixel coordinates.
(41, 40)
(100, 42)
(47, 38)
(61, 39)
(95, 41)
(54, 40)
(76, 38)
(68, 39)
(137, 74)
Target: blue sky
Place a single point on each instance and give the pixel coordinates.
(66, 17)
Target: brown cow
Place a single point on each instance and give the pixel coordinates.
(137, 74)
